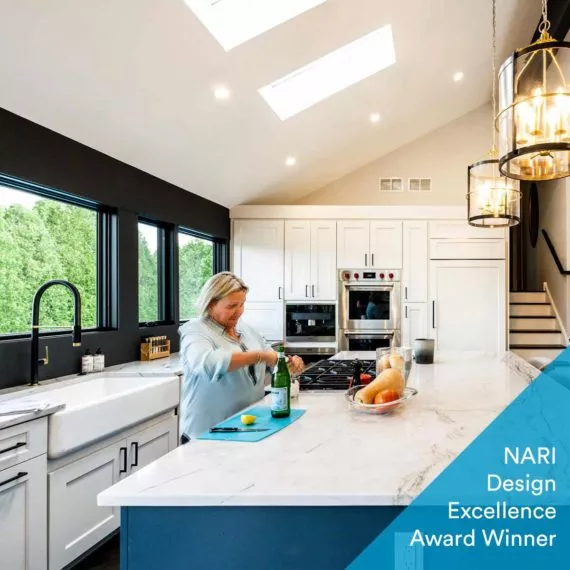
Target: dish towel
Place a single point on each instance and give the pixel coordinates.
(18, 406)
(264, 420)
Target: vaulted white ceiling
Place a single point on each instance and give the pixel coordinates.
(134, 79)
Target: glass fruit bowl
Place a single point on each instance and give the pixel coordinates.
(377, 408)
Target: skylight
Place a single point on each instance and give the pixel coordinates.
(233, 22)
(330, 74)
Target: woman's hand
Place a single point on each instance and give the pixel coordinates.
(295, 365)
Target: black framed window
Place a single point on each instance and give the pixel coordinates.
(196, 264)
(47, 234)
(155, 273)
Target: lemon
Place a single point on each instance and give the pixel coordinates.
(247, 419)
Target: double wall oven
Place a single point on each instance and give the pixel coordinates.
(368, 309)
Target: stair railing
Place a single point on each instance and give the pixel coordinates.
(554, 254)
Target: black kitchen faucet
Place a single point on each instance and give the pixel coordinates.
(35, 360)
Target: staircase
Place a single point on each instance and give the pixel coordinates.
(534, 330)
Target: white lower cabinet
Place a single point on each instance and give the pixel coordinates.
(414, 322)
(152, 443)
(76, 523)
(23, 508)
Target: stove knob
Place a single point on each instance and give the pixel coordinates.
(346, 275)
(381, 276)
(391, 276)
(356, 276)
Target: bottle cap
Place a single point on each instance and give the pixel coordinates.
(98, 351)
(281, 349)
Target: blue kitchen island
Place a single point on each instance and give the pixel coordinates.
(316, 493)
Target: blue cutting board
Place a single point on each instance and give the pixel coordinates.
(264, 420)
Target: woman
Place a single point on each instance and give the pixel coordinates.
(225, 361)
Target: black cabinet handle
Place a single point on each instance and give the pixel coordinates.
(15, 478)
(433, 314)
(306, 290)
(406, 309)
(365, 260)
(123, 459)
(406, 293)
(16, 446)
(313, 290)
(279, 292)
(372, 264)
(135, 462)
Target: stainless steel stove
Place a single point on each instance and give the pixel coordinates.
(333, 374)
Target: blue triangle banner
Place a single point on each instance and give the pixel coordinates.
(504, 501)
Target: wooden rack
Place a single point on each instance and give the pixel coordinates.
(154, 347)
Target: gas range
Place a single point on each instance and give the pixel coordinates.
(333, 374)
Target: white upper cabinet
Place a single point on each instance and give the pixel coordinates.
(385, 244)
(258, 257)
(297, 259)
(310, 260)
(353, 244)
(467, 305)
(415, 262)
(323, 260)
(375, 244)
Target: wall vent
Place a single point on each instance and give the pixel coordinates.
(419, 184)
(390, 185)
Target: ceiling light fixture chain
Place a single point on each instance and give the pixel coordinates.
(544, 26)
(494, 151)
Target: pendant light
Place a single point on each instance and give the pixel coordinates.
(493, 200)
(534, 114)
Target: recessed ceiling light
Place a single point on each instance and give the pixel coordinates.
(233, 22)
(330, 74)
(222, 93)
(458, 76)
(374, 117)
(290, 161)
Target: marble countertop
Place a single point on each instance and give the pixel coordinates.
(333, 455)
(10, 420)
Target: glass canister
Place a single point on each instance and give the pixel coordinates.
(399, 357)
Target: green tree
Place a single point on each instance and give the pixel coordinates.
(74, 231)
(148, 282)
(196, 260)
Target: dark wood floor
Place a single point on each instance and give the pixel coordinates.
(105, 557)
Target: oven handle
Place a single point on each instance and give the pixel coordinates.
(386, 287)
(367, 334)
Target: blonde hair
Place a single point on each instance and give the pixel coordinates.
(217, 287)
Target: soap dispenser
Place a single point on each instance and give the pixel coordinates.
(98, 361)
(87, 362)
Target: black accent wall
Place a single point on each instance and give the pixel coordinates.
(36, 154)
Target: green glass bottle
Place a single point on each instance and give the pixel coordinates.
(281, 388)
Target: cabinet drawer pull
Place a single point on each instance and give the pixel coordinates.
(135, 462)
(15, 478)
(406, 293)
(306, 290)
(123, 459)
(313, 290)
(15, 446)
(365, 260)
(406, 308)
(372, 264)
(433, 314)
(279, 292)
